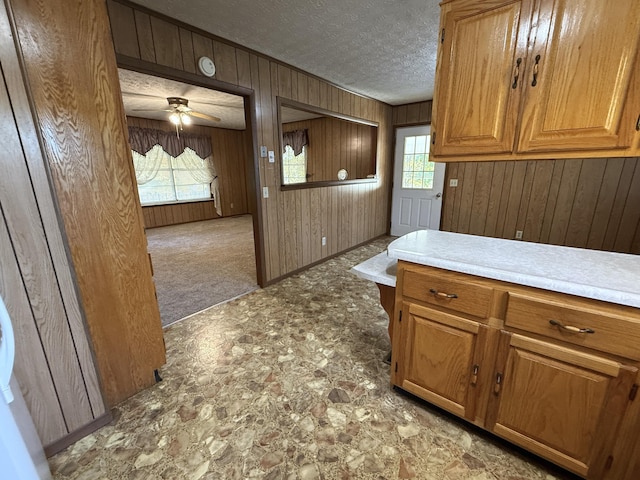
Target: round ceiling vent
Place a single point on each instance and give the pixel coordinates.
(206, 66)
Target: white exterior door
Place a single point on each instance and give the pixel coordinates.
(416, 202)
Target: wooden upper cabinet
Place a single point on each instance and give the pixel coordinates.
(483, 47)
(581, 99)
(537, 79)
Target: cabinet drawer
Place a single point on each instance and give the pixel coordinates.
(613, 332)
(459, 295)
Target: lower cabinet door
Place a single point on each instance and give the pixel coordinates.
(562, 404)
(440, 358)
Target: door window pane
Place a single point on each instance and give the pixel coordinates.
(416, 163)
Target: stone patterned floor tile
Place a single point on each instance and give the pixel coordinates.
(289, 382)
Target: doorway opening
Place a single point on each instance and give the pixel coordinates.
(196, 181)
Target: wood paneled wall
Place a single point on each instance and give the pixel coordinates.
(590, 203)
(336, 144)
(54, 364)
(293, 222)
(417, 113)
(229, 153)
(71, 72)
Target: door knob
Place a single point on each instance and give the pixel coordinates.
(438, 195)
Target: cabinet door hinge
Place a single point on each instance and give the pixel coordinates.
(633, 392)
(396, 367)
(609, 462)
(442, 36)
(400, 317)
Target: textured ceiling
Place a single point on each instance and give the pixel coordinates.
(385, 49)
(140, 91)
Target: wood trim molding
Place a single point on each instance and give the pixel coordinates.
(59, 445)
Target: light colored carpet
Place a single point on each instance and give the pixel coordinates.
(200, 264)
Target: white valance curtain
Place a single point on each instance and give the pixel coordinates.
(149, 152)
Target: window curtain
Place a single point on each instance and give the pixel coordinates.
(296, 139)
(147, 166)
(189, 152)
(201, 170)
(144, 139)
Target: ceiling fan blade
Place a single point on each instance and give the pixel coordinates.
(150, 110)
(204, 116)
(135, 94)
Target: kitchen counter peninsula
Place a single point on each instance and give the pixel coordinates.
(538, 344)
(607, 276)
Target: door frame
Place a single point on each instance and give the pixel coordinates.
(251, 165)
(393, 169)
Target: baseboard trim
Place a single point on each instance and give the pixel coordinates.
(322, 260)
(59, 445)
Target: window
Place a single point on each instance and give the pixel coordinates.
(171, 180)
(417, 170)
(294, 167)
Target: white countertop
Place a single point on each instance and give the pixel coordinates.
(380, 269)
(612, 277)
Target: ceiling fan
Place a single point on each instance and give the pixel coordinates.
(180, 113)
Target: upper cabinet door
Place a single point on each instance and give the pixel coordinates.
(583, 60)
(480, 75)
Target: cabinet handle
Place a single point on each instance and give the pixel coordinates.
(571, 328)
(436, 293)
(498, 384)
(474, 374)
(516, 73)
(638, 124)
(535, 71)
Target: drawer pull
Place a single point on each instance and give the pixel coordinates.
(436, 293)
(571, 328)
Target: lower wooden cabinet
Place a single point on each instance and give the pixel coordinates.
(547, 393)
(441, 358)
(559, 403)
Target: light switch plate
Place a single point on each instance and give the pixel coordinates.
(263, 152)
(272, 156)
(265, 192)
(453, 182)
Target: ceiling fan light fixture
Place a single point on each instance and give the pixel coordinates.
(175, 118)
(185, 119)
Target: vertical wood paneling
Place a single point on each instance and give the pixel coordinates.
(127, 42)
(54, 367)
(294, 221)
(166, 39)
(592, 203)
(186, 48)
(495, 195)
(604, 204)
(81, 119)
(589, 183)
(226, 67)
(145, 36)
(412, 114)
(538, 200)
(630, 216)
(31, 370)
(244, 68)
